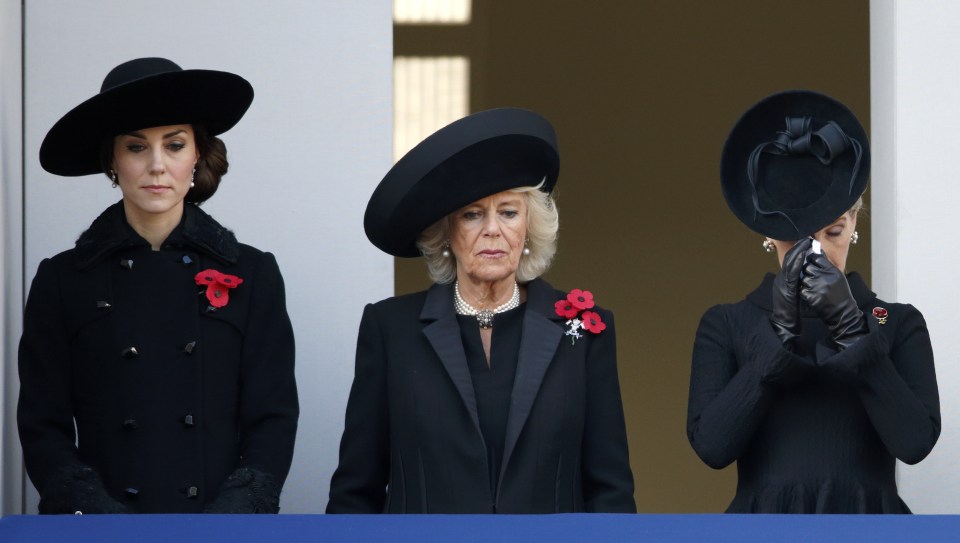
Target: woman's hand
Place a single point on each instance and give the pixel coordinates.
(785, 316)
(825, 289)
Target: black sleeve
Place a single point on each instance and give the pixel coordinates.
(359, 484)
(45, 409)
(269, 407)
(896, 382)
(734, 376)
(607, 478)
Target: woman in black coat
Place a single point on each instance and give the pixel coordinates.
(811, 384)
(163, 340)
(491, 392)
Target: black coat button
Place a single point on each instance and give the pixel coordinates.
(188, 421)
(126, 263)
(102, 304)
(186, 260)
(130, 424)
(189, 347)
(130, 352)
(131, 492)
(192, 492)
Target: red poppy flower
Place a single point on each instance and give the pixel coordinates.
(565, 309)
(218, 285)
(591, 321)
(880, 314)
(581, 299)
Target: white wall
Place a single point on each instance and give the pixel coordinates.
(11, 252)
(915, 56)
(303, 162)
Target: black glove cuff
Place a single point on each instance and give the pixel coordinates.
(77, 488)
(247, 490)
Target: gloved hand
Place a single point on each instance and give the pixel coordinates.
(77, 489)
(786, 301)
(247, 490)
(825, 289)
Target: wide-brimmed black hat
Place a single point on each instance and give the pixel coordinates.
(794, 162)
(472, 158)
(143, 93)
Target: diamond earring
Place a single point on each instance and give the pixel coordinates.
(768, 246)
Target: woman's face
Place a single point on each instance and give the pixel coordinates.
(487, 237)
(834, 240)
(154, 167)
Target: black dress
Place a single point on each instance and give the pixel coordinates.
(818, 431)
(493, 384)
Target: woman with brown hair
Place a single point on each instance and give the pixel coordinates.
(156, 363)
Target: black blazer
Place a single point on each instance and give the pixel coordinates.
(169, 398)
(412, 441)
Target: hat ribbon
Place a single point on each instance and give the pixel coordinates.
(826, 144)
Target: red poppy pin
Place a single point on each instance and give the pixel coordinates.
(574, 308)
(218, 286)
(880, 314)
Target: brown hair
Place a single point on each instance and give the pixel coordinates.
(211, 166)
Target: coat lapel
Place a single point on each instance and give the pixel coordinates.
(539, 340)
(443, 333)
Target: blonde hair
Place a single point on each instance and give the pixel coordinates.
(543, 223)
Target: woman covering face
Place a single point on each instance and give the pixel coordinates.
(159, 337)
(812, 384)
(491, 392)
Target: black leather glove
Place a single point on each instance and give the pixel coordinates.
(786, 300)
(825, 289)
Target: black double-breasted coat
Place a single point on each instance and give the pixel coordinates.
(169, 397)
(412, 441)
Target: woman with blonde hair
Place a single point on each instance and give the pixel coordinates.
(812, 384)
(491, 392)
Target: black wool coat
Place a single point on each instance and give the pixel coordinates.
(817, 430)
(169, 397)
(412, 441)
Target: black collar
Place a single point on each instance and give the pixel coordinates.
(762, 296)
(110, 233)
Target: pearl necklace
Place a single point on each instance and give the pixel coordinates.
(484, 316)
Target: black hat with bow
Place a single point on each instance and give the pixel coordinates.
(793, 163)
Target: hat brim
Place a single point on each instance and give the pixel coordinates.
(212, 99)
(839, 187)
(472, 158)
